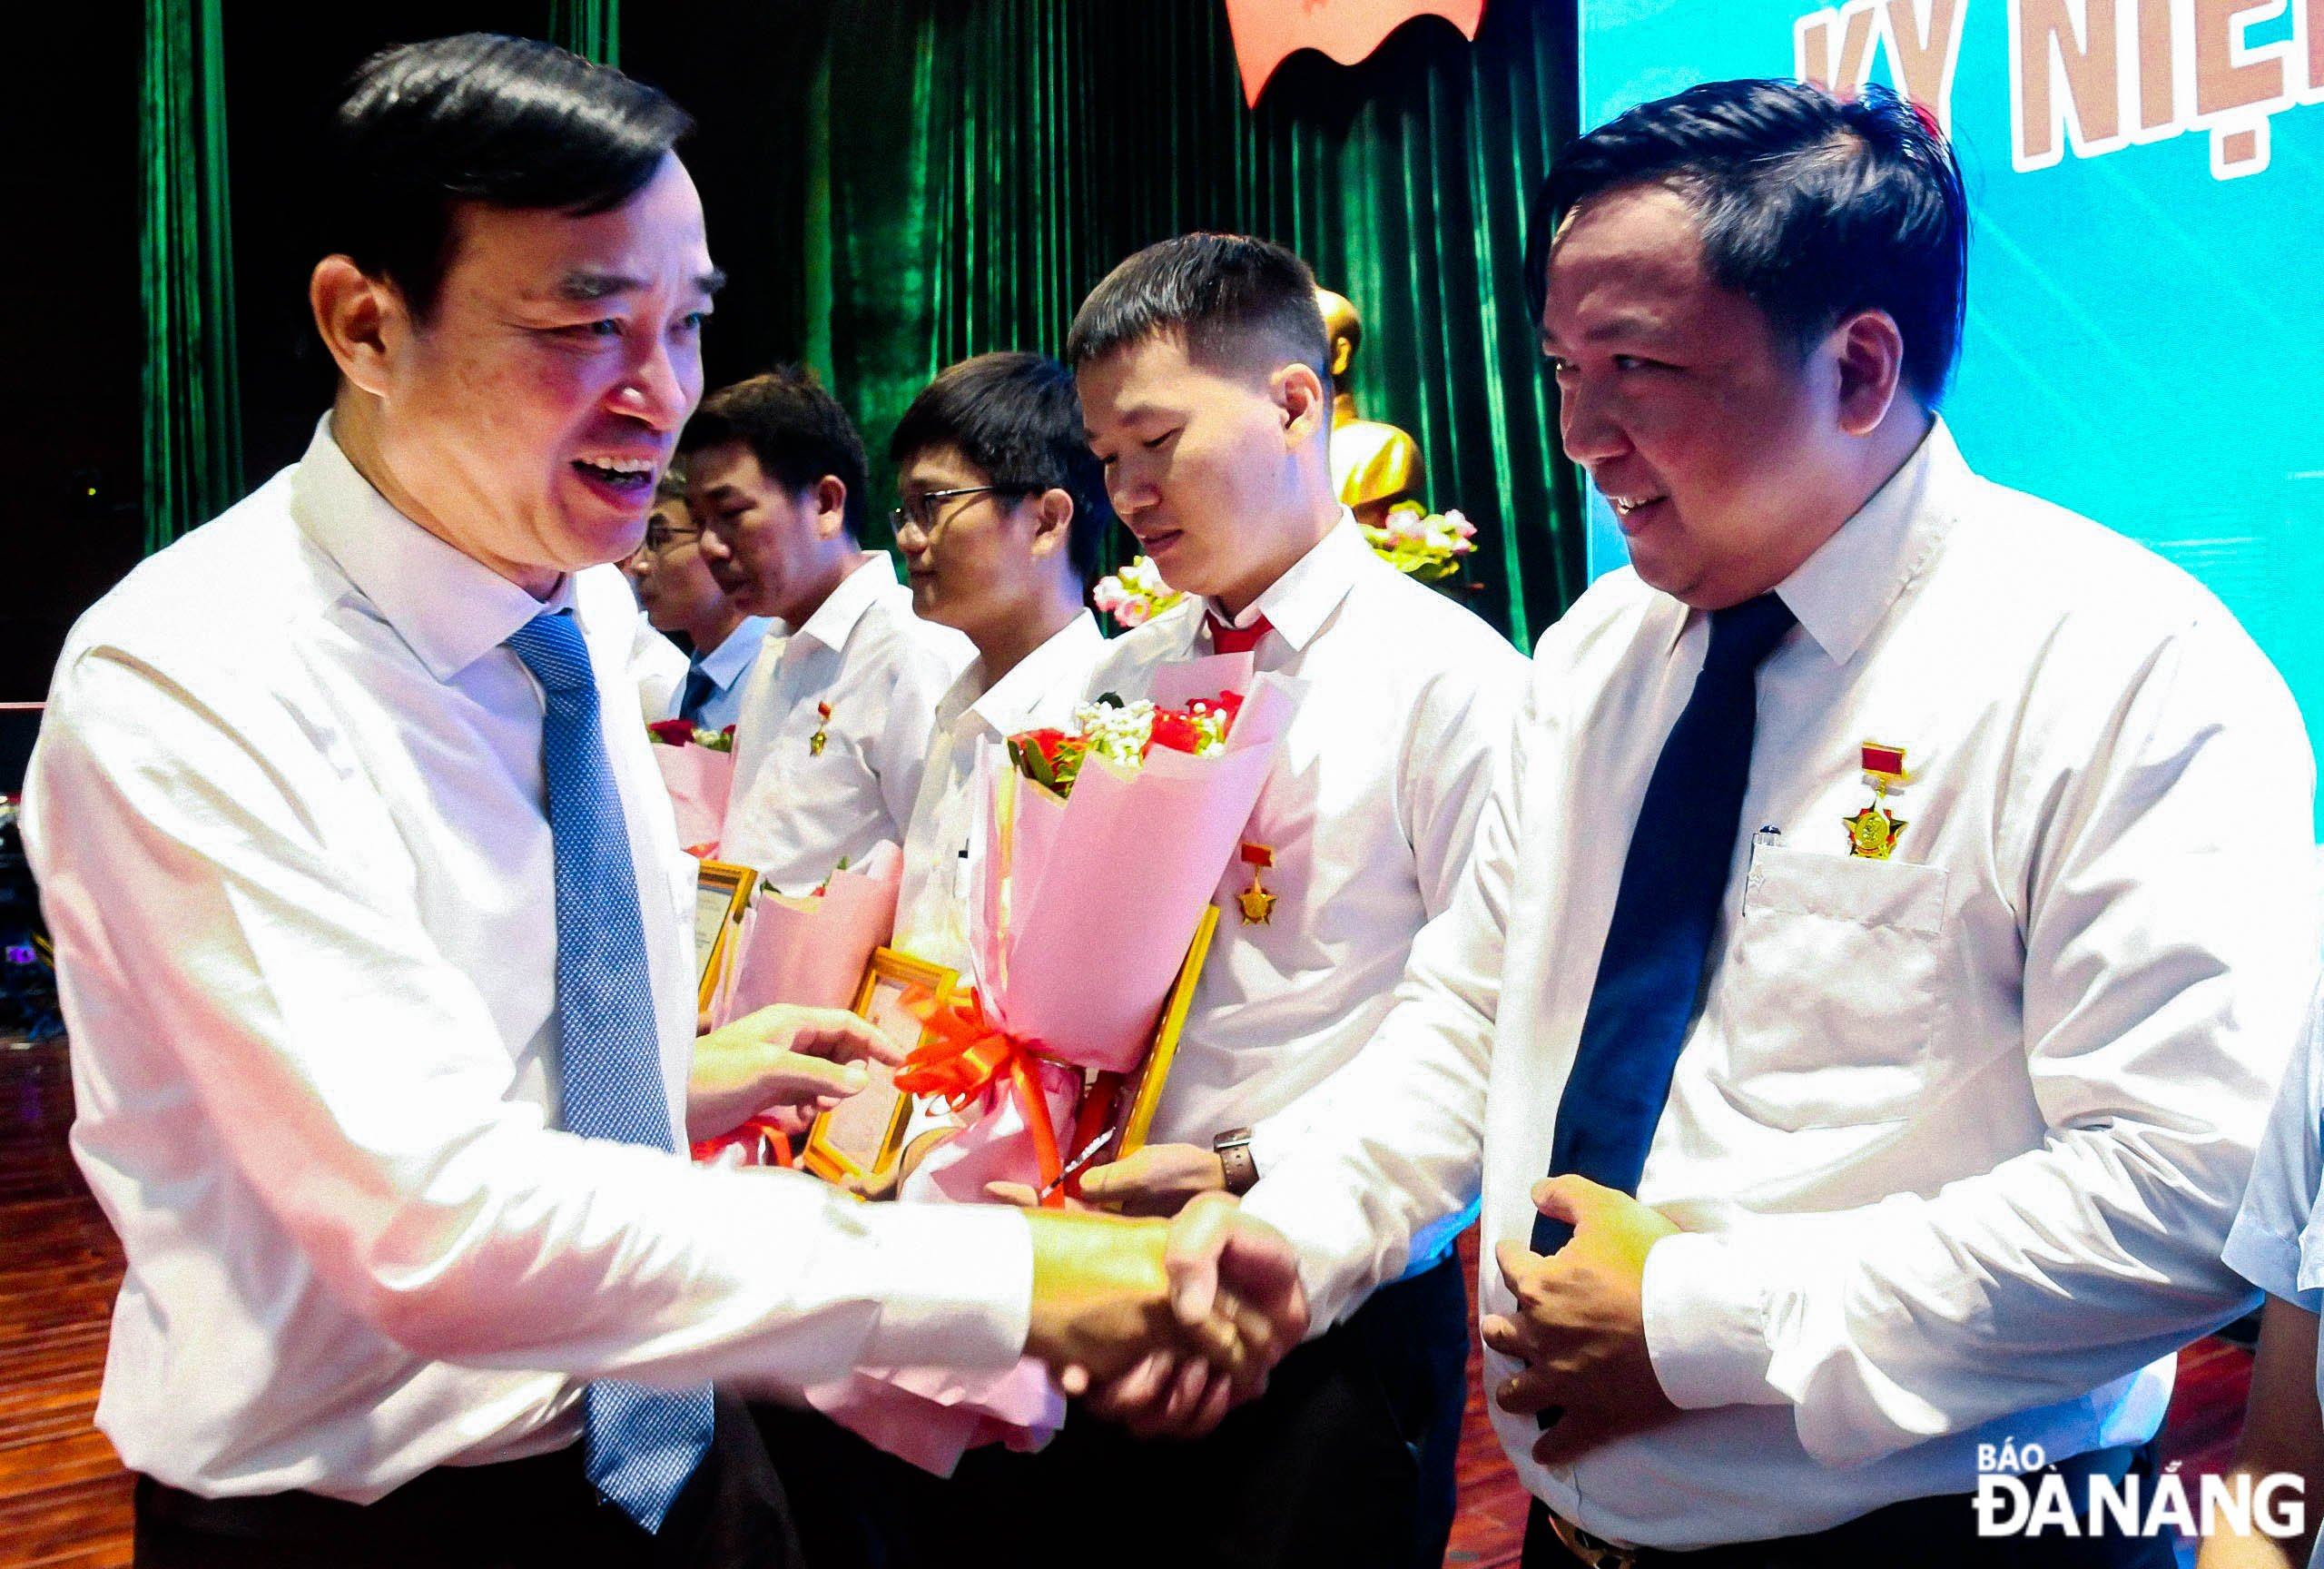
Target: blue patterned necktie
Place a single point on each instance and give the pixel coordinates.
(1665, 915)
(642, 1443)
(699, 686)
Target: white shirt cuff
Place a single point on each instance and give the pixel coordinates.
(958, 1287)
(1705, 1308)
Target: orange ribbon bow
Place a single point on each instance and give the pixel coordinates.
(961, 1056)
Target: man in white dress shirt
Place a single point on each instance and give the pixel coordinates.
(1929, 1146)
(1004, 513)
(341, 992)
(835, 724)
(680, 596)
(1203, 370)
(2278, 1245)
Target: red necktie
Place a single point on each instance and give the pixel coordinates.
(1228, 639)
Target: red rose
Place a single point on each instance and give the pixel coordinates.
(1173, 730)
(672, 732)
(1049, 743)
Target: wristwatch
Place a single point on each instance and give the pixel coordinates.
(1233, 1148)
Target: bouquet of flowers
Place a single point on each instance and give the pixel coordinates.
(1135, 595)
(698, 769)
(1421, 544)
(1101, 847)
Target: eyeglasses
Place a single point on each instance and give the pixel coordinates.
(919, 510)
(660, 537)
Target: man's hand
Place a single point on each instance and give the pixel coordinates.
(803, 1060)
(1223, 1265)
(1156, 1180)
(1581, 1324)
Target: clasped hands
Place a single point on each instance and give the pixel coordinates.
(1579, 1322)
(1163, 1325)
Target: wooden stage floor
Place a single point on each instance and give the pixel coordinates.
(65, 1500)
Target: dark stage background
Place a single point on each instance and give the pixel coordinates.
(892, 184)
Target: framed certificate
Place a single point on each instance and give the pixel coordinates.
(863, 1135)
(721, 892)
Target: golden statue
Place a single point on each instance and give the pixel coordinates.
(1373, 465)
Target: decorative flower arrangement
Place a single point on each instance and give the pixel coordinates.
(1135, 595)
(1420, 543)
(1124, 733)
(681, 732)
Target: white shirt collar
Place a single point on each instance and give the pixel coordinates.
(1297, 603)
(1064, 658)
(448, 608)
(1841, 592)
(836, 617)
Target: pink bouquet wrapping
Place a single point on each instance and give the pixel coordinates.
(698, 770)
(811, 950)
(1081, 910)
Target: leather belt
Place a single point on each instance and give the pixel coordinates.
(1595, 1552)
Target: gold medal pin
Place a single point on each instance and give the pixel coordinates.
(1873, 833)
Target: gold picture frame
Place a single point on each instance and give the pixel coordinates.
(1145, 1094)
(722, 891)
(863, 1135)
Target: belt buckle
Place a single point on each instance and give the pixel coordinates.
(1595, 1552)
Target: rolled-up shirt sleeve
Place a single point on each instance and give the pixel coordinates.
(2277, 1242)
(233, 902)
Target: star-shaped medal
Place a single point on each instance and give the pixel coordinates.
(816, 742)
(1257, 904)
(1873, 833)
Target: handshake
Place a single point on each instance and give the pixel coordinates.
(1163, 1326)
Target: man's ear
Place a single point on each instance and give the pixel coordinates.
(1052, 523)
(828, 495)
(1298, 392)
(363, 321)
(1868, 353)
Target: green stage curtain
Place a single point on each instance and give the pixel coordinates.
(193, 437)
(974, 166)
(590, 28)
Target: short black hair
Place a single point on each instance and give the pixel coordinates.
(1016, 418)
(792, 426)
(1231, 299)
(1812, 206)
(479, 117)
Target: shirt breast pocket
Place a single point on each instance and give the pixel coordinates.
(1832, 988)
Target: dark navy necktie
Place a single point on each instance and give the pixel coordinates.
(1665, 913)
(643, 1444)
(699, 686)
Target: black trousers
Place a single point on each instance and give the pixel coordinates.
(1347, 1460)
(518, 1514)
(1917, 1534)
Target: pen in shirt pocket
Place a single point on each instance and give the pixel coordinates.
(1767, 837)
